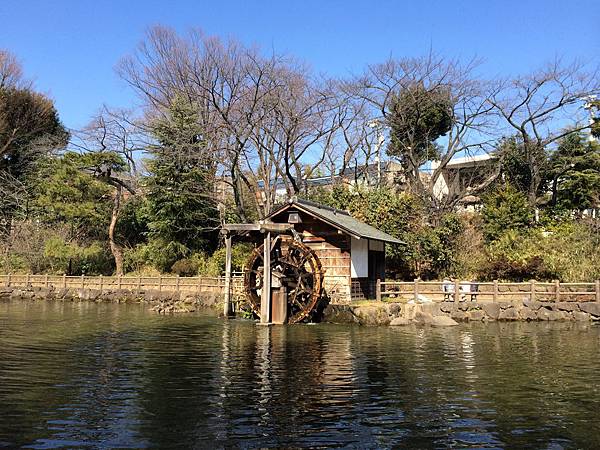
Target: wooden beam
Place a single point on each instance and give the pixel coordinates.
(241, 227)
(265, 297)
(275, 227)
(227, 302)
(262, 227)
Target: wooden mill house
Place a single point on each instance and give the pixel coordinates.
(314, 252)
(351, 252)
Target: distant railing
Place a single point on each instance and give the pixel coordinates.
(495, 291)
(214, 285)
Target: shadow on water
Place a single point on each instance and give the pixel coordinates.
(108, 376)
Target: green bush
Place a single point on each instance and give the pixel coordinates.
(192, 266)
(185, 267)
(240, 252)
(11, 263)
(505, 209)
(567, 251)
(61, 256)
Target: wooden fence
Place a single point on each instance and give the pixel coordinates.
(495, 291)
(436, 291)
(215, 285)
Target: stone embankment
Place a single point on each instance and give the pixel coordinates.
(450, 313)
(365, 313)
(161, 302)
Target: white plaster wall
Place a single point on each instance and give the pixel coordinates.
(359, 258)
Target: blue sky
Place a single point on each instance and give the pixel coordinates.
(70, 47)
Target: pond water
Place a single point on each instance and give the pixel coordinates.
(120, 376)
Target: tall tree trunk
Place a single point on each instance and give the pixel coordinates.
(535, 160)
(116, 249)
(237, 192)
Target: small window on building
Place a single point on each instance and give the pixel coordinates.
(294, 217)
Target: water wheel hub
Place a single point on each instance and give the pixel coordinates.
(299, 269)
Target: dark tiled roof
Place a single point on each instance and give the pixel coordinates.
(339, 219)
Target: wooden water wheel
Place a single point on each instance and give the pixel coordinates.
(300, 272)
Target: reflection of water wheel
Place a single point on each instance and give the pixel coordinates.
(301, 275)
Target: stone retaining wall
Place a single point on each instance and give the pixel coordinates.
(402, 313)
(161, 302)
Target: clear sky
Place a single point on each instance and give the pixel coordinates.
(70, 47)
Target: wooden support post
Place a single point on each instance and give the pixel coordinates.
(28, 280)
(227, 293)
(278, 301)
(119, 282)
(177, 283)
(495, 297)
(416, 290)
(456, 291)
(265, 300)
(557, 290)
(199, 284)
(139, 283)
(378, 290)
(532, 291)
(101, 283)
(598, 290)
(64, 281)
(82, 281)
(46, 283)
(8, 280)
(160, 283)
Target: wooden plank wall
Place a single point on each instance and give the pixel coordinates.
(332, 249)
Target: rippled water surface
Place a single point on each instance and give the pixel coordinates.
(117, 376)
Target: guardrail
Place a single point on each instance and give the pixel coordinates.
(214, 285)
(495, 291)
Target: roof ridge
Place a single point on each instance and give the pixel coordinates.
(320, 205)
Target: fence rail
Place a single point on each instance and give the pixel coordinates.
(495, 291)
(214, 285)
(436, 291)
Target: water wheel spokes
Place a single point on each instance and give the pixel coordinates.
(301, 274)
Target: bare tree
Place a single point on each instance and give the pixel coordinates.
(110, 146)
(470, 119)
(266, 119)
(11, 72)
(543, 107)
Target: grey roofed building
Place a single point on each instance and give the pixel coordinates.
(339, 219)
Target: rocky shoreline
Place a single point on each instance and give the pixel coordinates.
(450, 313)
(364, 313)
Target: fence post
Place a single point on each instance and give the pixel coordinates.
(495, 298)
(598, 290)
(532, 291)
(101, 283)
(8, 280)
(199, 284)
(160, 283)
(119, 282)
(64, 281)
(378, 290)
(416, 290)
(177, 283)
(28, 280)
(456, 291)
(139, 283)
(557, 290)
(82, 281)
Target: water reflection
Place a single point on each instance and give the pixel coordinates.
(118, 376)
